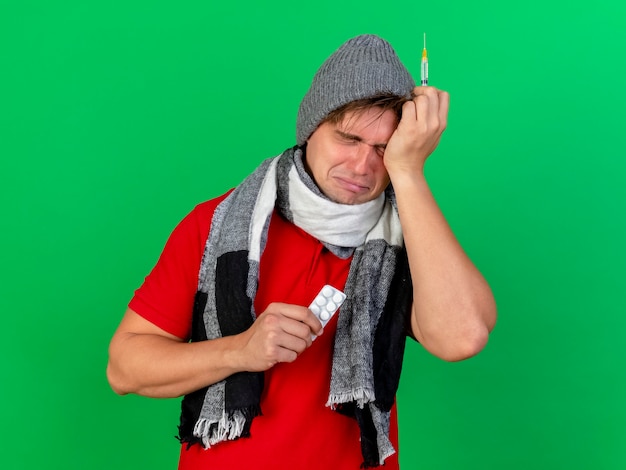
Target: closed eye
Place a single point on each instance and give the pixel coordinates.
(348, 138)
(355, 139)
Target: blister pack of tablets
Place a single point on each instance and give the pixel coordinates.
(326, 303)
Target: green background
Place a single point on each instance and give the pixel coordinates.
(117, 117)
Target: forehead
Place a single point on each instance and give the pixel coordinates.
(373, 121)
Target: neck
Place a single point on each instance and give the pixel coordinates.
(341, 225)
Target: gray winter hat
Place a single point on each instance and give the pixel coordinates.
(363, 67)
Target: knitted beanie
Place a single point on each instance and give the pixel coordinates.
(363, 67)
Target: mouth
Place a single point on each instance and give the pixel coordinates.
(352, 186)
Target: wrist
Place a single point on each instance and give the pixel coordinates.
(230, 355)
(398, 166)
(408, 177)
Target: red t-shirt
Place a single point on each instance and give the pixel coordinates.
(296, 429)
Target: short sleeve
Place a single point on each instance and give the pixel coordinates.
(167, 294)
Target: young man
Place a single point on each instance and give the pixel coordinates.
(223, 320)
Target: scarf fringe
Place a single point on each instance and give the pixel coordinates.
(360, 396)
(229, 427)
(389, 451)
(383, 457)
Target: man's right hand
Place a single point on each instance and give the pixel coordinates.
(280, 334)
(149, 361)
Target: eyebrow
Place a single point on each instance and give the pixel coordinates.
(357, 138)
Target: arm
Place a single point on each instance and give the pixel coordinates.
(146, 360)
(158, 361)
(453, 309)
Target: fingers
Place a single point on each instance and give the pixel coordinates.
(444, 105)
(301, 315)
(424, 118)
(409, 113)
(280, 334)
(430, 106)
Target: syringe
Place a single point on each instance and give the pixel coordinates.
(424, 64)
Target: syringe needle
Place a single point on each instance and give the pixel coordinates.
(424, 69)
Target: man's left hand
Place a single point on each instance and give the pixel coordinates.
(424, 118)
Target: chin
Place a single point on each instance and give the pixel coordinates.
(352, 200)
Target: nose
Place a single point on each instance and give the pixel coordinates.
(361, 160)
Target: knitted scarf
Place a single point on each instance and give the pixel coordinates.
(372, 322)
